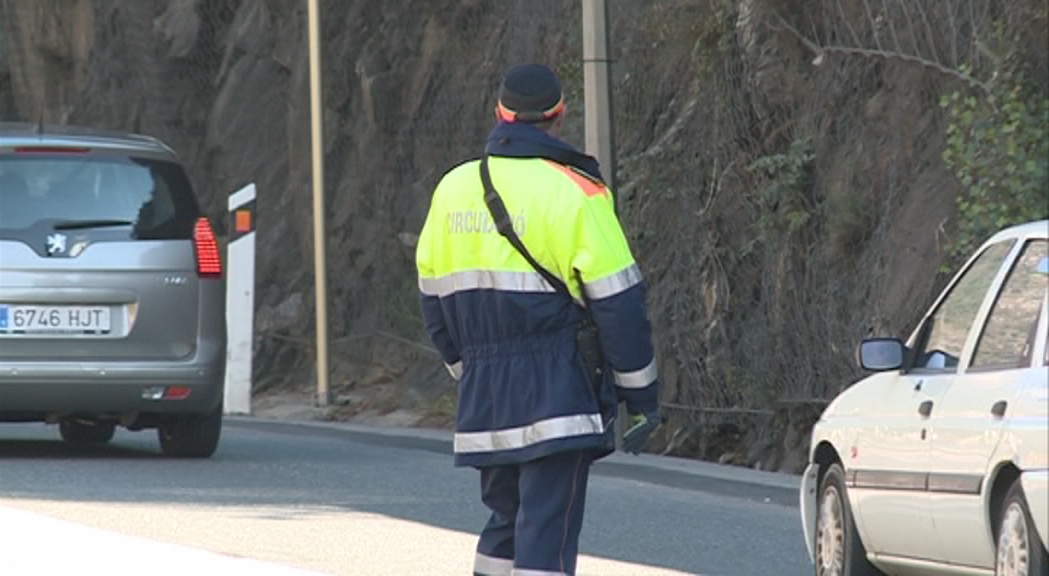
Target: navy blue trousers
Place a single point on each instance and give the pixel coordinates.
(537, 515)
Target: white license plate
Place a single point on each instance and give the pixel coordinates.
(53, 319)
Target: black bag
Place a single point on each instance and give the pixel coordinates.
(587, 341)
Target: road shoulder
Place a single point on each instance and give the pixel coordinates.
(768, 487)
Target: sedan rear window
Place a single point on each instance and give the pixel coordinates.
(151, 199)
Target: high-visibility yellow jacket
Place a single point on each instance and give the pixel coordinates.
(507, 335)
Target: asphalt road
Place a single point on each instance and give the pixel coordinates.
(345, 500)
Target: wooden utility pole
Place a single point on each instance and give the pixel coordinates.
(320, 277)
(597, 88)
(597, 100)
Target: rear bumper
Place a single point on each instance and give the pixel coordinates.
(34, 390)
(1036, 490)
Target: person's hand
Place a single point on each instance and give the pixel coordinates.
(640, 427)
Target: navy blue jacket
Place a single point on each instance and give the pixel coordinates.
(504, 332)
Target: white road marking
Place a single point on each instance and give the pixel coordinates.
(38, 544)
(43, 537)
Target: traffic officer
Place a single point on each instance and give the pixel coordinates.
(530, 416)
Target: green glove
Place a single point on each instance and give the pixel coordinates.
(641, 426)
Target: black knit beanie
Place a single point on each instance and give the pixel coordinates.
(530, 93)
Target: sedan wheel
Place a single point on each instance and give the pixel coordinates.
(830, 533)
(1019, 553)
(839, 551)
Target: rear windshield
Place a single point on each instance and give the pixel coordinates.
(150, 199)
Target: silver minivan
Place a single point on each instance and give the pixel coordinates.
(112, 297)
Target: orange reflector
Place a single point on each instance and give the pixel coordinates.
(242, 222)
(177, 392)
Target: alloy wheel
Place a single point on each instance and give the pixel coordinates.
(830, 534)
(1014, 557)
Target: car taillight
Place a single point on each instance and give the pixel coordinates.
(209, 263)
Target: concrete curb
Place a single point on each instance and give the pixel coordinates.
(770, 487)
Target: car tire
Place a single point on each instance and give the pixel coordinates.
(86, 433)
(838, 549)
(190, 435)
(1018, 551)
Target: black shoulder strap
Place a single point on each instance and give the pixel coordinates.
(506, 228)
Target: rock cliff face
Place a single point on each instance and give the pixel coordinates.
(225, 83)
(782, 206)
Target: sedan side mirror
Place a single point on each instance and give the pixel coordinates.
(881, 354)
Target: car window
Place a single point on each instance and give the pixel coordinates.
(153, 195)
(1008, 336)
(949, 326)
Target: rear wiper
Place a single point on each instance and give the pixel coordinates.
(82, 224)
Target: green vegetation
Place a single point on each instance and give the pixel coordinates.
(785, 195)
(998, 147)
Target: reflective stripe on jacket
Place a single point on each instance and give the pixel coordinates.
(508, 335)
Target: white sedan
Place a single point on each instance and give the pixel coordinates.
(938, 463)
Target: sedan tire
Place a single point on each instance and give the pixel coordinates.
(839, 551)
(190, 435)
(86, 433)
(1019, 552)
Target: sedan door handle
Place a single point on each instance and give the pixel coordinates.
(999, 408)
(925, 408)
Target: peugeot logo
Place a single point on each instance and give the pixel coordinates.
(56, 244)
